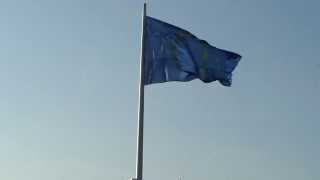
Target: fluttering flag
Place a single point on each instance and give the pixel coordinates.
(174, 54)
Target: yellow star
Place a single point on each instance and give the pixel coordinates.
(205, 55)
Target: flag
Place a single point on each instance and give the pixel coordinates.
(174, 54)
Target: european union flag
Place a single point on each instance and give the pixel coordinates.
(174, 54)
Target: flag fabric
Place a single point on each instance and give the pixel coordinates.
(174, 54)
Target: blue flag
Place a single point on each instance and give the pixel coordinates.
(174, 54)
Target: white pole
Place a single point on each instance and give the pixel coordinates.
(139, 165)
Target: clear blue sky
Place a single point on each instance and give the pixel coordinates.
(68, 96)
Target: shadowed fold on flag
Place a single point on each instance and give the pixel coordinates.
(174, 54)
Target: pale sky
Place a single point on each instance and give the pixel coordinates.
(69, 75)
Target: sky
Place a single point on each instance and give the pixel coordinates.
(69, 74)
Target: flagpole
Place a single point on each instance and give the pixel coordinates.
(139, 160)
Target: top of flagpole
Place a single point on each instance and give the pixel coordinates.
(145, 8)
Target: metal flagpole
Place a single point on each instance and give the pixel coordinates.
(139, 165)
